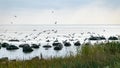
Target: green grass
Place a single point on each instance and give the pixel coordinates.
(91, 56)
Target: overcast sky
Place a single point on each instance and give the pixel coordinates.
(62, 11)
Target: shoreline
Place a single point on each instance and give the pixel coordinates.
(100, 55)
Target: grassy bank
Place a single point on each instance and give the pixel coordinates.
(98, 56)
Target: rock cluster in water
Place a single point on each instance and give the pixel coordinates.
(57, 45)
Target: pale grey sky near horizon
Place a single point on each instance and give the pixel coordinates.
(62, 11)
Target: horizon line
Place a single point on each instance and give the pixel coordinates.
(52, 24)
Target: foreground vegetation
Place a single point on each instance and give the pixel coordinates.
(105, 55)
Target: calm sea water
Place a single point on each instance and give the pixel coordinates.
(20, 31)
(62, 28)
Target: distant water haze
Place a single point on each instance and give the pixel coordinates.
(64, 28)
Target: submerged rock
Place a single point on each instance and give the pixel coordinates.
(47, 40)
(112, 38)
(13, 40)
(12, 47)
(4, 45)
(35, 58)
(77, 43)
(47, 46)
(71, 39)
(35, 46)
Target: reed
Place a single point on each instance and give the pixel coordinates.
(105, 55)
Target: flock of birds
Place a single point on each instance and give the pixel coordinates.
(32, 37)
(58, 41)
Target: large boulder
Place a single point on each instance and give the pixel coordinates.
(66, 44)
(97, 38)
(24, 45)
(77, 43)
(21, 45)
(58, 47)
(56, 44)
(0, 45)
(35, 46)
(94, 38)
(112, 38)
(12, 47)
(27, 49)
(102, 38)
(4, 45)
